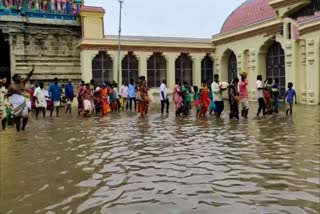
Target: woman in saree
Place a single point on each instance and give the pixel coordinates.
(143, 99)
(267, 93)
(86, 97)
(205, 100)
(104, 96)
(79, 98)
(177, 98)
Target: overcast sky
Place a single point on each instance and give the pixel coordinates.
(184, 18)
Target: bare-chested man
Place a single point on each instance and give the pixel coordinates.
(19, 97)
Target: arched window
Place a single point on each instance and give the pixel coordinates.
(102, 67)
(232, 67)
(157, 70)
(130, 67)
(276, 68)
(207, 68)
(184, 69)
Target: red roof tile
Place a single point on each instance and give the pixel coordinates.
(250, 12)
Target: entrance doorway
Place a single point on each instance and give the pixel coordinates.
(4, 59)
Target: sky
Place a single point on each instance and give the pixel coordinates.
(173, 18)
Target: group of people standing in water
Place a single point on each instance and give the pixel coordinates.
(101, 99)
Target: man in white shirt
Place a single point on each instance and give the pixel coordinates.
(40, 96)
(259, 92)
(164, 96)
(217, 96)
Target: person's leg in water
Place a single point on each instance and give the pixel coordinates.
(262, 107)
(51, 112)
(168, 104)
(24, 123)
(130, 103)
(118, 105)
(3, 123)
(44, 112)
(37, 112)
(18, 123)
(57, 111)
(162, 106)
(135, 104)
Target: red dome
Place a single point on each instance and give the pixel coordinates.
(250, 12)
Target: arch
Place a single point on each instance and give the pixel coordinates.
(102, 67)
(232, 67)
(130, 67)
(156, 70)
(184, 70)
(207, 68)
(226, 74)
(5, 70)
(275, 66)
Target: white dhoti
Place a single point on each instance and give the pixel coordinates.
(20, 107)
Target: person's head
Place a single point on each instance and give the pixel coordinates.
(270, 81)
(55, 80)
(88, 85)
(3, 82)
(131, 81)
(259, 77)
(17, 78)
(164, 81)
(195, 89)
(115, 85)
(235, 81)
(82, 83)
(209, 81)
(70, 81)
(185, 83)
(104, 85)
(178, 82)
(290, 85)
(92, 82)
(144, 82)
(36, 85)
(41, 85)
(204, 83)
(216, 77)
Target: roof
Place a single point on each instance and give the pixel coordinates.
(92, 9)
(250, 12)
(158, 39)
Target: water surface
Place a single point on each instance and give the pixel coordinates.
(123, 164)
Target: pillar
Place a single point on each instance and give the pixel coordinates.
(86, 64)
(114, 55)
(171, 68)
(143, 59)
(196, 70)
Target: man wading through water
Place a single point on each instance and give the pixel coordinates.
(19, 97)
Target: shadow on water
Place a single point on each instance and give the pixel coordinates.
(162, 164)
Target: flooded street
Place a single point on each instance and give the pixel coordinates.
(163, 165)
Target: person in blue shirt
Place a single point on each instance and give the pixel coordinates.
(69, 96)
(132, 95)
(55, 94)
(290, 97)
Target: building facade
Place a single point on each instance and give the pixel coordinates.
(278, 39)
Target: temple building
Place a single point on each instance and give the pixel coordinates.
(278, 39)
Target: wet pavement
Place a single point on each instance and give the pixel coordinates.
(123, 164)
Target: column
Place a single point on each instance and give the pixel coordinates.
(196, 68)
(171, 68)
(86, 64)
(114, 56)
(312, 71)
(143, 59)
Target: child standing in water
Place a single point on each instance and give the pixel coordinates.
(290, 95)
(197, 101)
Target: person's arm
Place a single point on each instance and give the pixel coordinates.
(11, 91)
(285, 97)
(29, 75)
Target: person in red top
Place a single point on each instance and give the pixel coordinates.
(243, 91)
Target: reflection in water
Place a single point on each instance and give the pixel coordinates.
(122, 164)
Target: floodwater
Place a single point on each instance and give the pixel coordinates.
(122, 164)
